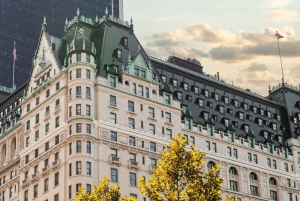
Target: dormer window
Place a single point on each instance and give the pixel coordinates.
(241, 115)
(262, 112)
(217, 97)
(226, 122)
(179, 95)
(210, 105)
(260, 122)
(143, 74)
(119, 54)
(230, 111)
(245, 106)
(295, 120)
(280, 139)
(269, 115)
(278, 117)
(236, 103)
(205, 115)
(175, 83)
(254, 110)
(196, 90)
(274, 126)
(184, 108)
(201, 102)
(265, 134)
(246, 128)
(206, 93)
(226, 100)
(189, 98)
(250, 117)
(221, 109)
(164, 78)
(125, 42)
(185, 86)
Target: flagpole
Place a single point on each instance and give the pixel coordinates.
(14, 67)
(280, 61)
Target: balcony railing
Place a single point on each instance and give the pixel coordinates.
(113, 103)
(55, 163)
(47, 114)
(35, 175)
(70, 97)
(78, 94)
(88, 95)
(114, 159)
(133, 163)
(25, 182)
(57, 107)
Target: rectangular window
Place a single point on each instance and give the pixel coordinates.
(113, 101)
(207, 145)
(229, 151)
(131, 123)
(130, 106)
(249, 157)
(46, 184)
(152, 146)
(152, 129)
(131, 141)
(78, 92)
(78, 167)
(113, 136)
(78, 109)
(134, 88)
(168, 117)
(88, 74)
(255, 158)
(140, 90)
(132, 179)
(119, 56)
(235, 153)
(78, 57)
(70, 169)
(269, 162)
(112, 81)
(37, 101)
(56, 140)
(88, 110)
(214, 147)
(88, 128)
(147, 92)
(78, 128)
(286, 167)
(113, 152)
(88, 168)
(28, 125)
(114, 175)
(88, 147)
(233, 185)
(46, 146)
(37, 135)
(78, 146)
(56, 179)
(113, 118)
(77, 187)
(169, 133)
(70, 192)
(35, 191)
(167, 99)
(274, 164)
(56, 122)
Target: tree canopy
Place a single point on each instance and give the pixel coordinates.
(180, 176)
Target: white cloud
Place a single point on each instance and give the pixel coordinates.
(282, 14)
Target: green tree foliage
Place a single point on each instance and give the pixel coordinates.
(180, 176)
(102, 192)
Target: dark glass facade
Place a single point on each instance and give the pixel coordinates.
(21, 20)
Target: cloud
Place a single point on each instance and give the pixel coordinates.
(231, 54)
(262, 78)
(282, 14)
(204, 32)
(167, 39)
(295, 73)
(256, 66)
(277, 3)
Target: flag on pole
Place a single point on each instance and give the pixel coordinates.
(15, 53)
(278, 35)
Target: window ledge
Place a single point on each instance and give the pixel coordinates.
(113, 107)
(169, 124)
(152, 119)
(36, 125)
(132, 113)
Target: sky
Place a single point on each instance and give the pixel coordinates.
(235, 38)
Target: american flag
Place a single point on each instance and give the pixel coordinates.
(278, 35)
(15, 53)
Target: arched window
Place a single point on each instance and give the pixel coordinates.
(272, 181)
(253, 176)
(233, 171)
(210, 164)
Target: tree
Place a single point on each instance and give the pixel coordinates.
(180, 176)
(102, 192)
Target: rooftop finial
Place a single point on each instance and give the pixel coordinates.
(66, 22)
(129, 57)
(106, 11)
(131, 20)
(78, 12)
(44, 23)
(96, 19)
(269, 87)
(139, 47)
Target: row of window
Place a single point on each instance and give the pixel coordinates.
(46, 147)
(79, 147)
(78, 110)
(37, 100)
(79, 59)
(79, 168)
(79, 74)
(78, 93)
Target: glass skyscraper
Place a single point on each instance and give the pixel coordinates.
(21, 20)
